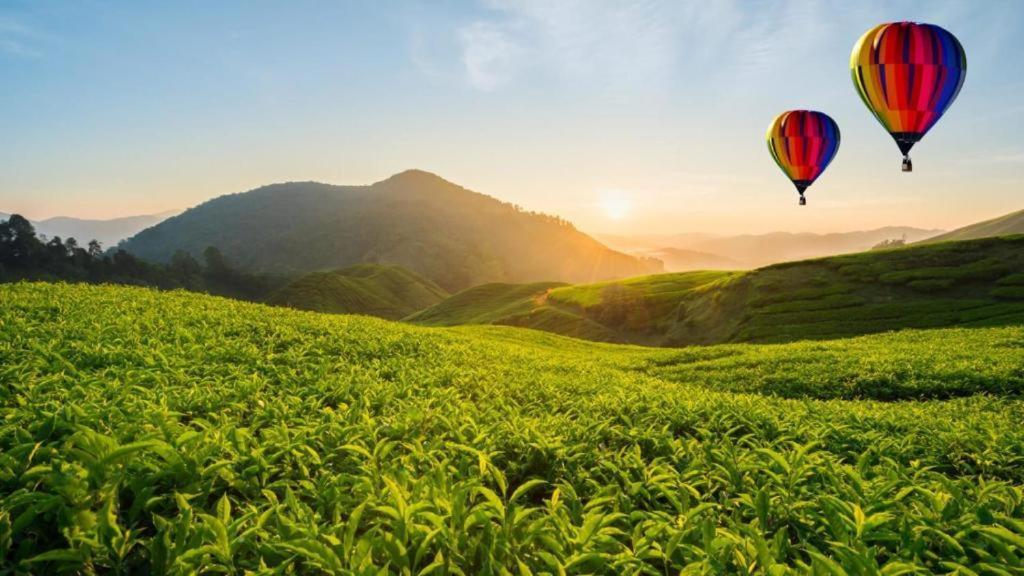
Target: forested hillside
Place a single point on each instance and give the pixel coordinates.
(454, 237)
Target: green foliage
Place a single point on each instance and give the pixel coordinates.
(148, 432)
(24, 255)
(951, 284)
(384, 291)
(441, 231)
(485, 304)
(1008, 292)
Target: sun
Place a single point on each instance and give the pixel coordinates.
(616, 204)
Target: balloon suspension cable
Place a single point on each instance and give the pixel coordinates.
(908, 165)
(802, 185)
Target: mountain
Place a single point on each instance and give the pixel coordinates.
(754, 250)
(971, 283)
(417, 220)
(682, 260)
(107, 232)
(369, 289)
(1012, 223)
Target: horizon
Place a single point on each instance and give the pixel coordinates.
(648, 121)
(596, 233)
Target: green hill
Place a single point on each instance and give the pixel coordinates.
(1006, 225)
(975, 283)
(441, 231)
(148, 432)
(384, 291)
(511, 305)
(484, 304)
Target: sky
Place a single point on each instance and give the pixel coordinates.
(623, 117)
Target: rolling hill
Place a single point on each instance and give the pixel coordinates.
(1008, 224)
(151, 433)
(374, 290)
(973, 283)
(441, 231)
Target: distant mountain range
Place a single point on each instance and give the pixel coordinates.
(1012, 223)
(107, 232)
(682, 252)
(448, 234)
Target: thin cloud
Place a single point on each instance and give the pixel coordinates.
(645, 45)
(489, 53)
(18, 39)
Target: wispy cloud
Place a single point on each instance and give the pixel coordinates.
(607, 42)
(490, 54)
(645, 44)
(17, 39)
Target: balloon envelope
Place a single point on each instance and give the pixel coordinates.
(908, 74)
(803, 143)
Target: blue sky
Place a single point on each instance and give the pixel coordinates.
(621, 116)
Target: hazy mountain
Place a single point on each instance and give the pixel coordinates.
(682, 260)
(638, 243)
(754, 250)
(451, 235)
(1012, 223)
(108, 232)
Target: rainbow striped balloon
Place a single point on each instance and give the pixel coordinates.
(802, 143)
(908, 74)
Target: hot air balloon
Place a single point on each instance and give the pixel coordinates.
(908, 74)
(802, 143)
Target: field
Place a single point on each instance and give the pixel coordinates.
(970, 283)
(147, 432)
(370, 289)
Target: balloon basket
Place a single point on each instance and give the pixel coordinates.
(908, 166)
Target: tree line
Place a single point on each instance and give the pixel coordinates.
(25, 255)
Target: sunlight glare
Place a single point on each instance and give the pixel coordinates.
(616, 204)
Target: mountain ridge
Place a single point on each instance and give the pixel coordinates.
(756, 250)
(107, 231)
(415, 219)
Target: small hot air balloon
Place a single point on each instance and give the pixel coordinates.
(908, 74)
(802, 143)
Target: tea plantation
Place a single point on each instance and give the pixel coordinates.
(147, 432)
(968, 283)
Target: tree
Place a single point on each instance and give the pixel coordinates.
(216, 265)
(184, 269)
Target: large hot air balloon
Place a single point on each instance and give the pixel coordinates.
(908, 74)
(802, 143)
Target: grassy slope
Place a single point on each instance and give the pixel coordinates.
(484, 304)
(384, 291)
(144, 431)
(1012, 223)
(975, 283)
